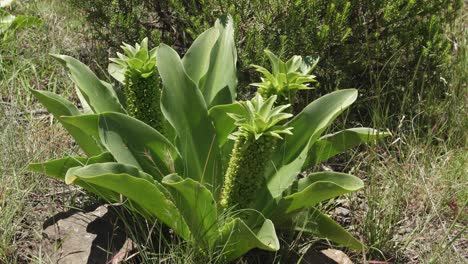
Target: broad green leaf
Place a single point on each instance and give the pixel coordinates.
(137, 186)
(197, 59)
(224, 96)
(184, 108)
(86, 109)
(117, 72)
(288, 161)
(61, 108)
(237, 238)
(313, 120)
(5, 21)
(285, 175)
(315, 188)
(274, 61)
(58, 168)
(321, 225)
(219, 83)
(87, 123)
(55, 104)
(98, 94)
(105, 168)
(106, 194)
(334, 144)
(223, 123)
(196, 204)
(10, 23)
(22, 21)
(281, 179)
(135, 143)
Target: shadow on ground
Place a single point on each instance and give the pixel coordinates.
(84, 237)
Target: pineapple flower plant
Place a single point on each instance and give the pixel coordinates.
(224, 175)
(286, 78)
(136, 70)
(255, 140)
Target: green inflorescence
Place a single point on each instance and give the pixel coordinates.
(285, 78)
(244, 175)
(141, 83)
(142, 98)
(255, 141)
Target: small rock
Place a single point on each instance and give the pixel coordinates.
(342, 211)
(346, 204)
(364, 206)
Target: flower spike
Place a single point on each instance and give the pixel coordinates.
(285, 78)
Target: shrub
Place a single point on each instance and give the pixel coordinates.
(394, 52)
(180, 180)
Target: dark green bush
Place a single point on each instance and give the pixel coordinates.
(395, 51)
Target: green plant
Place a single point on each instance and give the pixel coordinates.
(255, 141)
(178, 180)
(286, 78)
(10, 23)
(136, 70)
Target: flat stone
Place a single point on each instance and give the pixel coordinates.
(327, 256)
(337, 255)
(84, 237)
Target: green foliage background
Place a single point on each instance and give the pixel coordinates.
(390, 50)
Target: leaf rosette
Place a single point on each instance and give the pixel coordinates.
(180, 177)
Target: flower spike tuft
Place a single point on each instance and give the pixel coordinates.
(136, 68)
(259, 129)
(138, 59)
(260, 118)
(286, 78)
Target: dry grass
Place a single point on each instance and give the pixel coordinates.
(27, 132)
(414, 207)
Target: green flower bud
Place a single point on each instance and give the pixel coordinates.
(141, 83)
(258, 130)
(244, 176)
(286, 78)
(142, 99)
